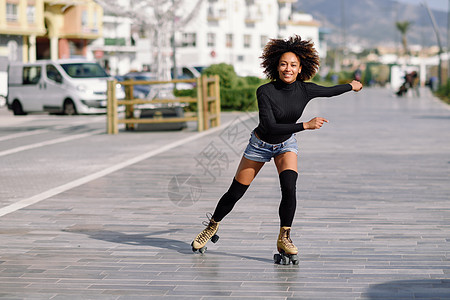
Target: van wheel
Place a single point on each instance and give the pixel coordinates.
(17, 108)
(69, 108)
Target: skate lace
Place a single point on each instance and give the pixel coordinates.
(286, 239)
(209, 231)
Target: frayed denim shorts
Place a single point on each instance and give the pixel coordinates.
(261, 151)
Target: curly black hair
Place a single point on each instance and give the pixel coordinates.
(304, 49)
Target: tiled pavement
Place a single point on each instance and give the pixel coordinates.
(372, 222)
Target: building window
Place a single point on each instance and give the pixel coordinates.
(31, 13)
(211, 39)
(264, 40)
(12, 50)
(247, 40)
(95, 20)
(84, 19)
(189, 40)
(229, 40)
(11, 12)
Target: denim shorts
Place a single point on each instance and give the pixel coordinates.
(261, 151)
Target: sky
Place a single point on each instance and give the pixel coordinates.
(434, 4)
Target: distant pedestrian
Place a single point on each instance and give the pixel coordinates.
(281, 102)
(357, 74)
(411, 82)
(434, 83)
(415, 82)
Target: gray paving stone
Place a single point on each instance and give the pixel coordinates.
(372, 218)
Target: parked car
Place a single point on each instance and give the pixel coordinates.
(151, 91)
(62, 86)
(141, 91)
(186, 72)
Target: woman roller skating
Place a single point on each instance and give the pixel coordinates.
(288, 64)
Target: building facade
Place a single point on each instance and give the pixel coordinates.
(116, 49)
(47, 29)
(235, 31)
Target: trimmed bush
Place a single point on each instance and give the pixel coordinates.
(185, 93)
(444, 92)
(239, 98)
(236, 93)
(228, 77)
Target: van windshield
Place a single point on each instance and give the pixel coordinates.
(84, 70)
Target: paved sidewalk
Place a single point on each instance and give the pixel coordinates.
(372, 222)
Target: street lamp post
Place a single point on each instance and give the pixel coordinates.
(438, 36)
(174, 46)
(448, 41)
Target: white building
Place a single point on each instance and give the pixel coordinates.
(235, 31)
(116, 51)
(220, 31)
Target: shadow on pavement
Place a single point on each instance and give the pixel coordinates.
(434, 117)
(148, 239)
(141, 239)
(410, 289)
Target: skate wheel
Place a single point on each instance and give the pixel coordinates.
(193, 249)
(201, 250)
(294, 259)
(277, 258)
(284, 260)
(215, 238)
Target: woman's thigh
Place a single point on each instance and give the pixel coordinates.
(286, 161)
(247, 170)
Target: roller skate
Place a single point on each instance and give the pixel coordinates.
(287, 250)
(209, 233)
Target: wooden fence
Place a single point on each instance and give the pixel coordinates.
(207, 113)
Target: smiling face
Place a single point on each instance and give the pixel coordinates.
(289, 67)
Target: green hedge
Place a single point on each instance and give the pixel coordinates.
(236, 93)
(239, 98)
(227, 75)
(444, 92)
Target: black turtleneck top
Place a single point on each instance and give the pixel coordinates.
(281, 105)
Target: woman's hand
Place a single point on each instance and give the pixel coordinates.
(356, 85)
(315, 123)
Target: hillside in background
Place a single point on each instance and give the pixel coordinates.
(371, 23)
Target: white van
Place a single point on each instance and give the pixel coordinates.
(62, 86)
(3, 88)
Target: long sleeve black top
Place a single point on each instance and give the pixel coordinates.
(281, 105)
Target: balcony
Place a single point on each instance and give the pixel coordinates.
(254, 14)
(215, 14)
(253, 18)
(115, 42)
(65, 2)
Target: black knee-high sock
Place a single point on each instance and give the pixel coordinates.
(229, 199)
(288, 204)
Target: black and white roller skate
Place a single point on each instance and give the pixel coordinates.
(209, 233)
(285, 259)
(287, 250)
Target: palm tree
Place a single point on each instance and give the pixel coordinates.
(403, 27)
